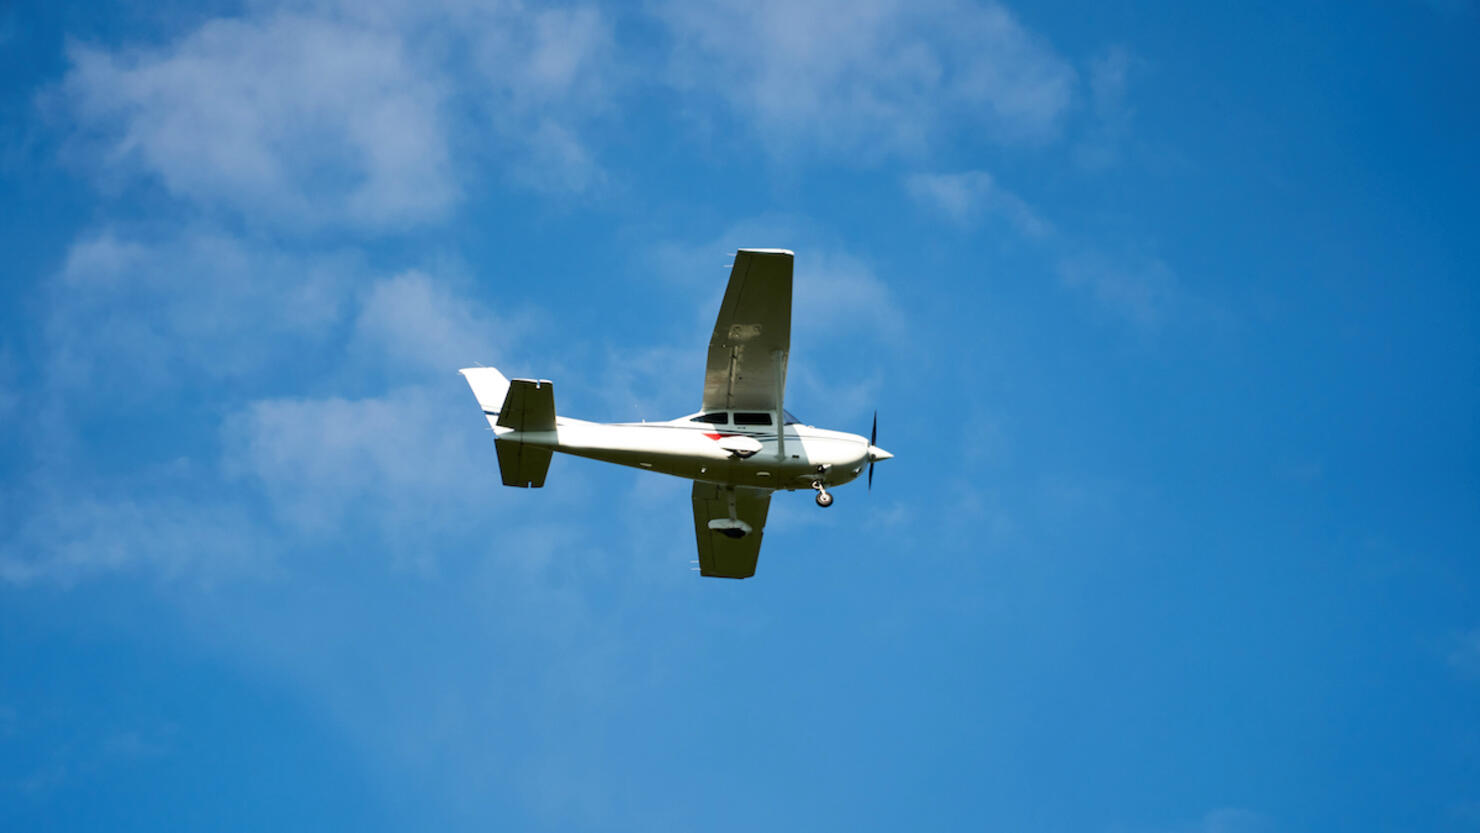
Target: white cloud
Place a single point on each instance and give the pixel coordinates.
(1143, 291)
(543, 75)
(1108, 73)
(66, 539)
(415, 459)
(284, 119)
(418, 323)
(541, 58)
(415, 456)
(134, 314)
(966, 197)
(837, 294)
(389, 457)
(557, 161)
(308, 115)
(655, 382)
(1109, 77)
(876, 76)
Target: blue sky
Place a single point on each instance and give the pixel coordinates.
(1169, 314)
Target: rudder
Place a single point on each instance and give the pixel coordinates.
(528, 406)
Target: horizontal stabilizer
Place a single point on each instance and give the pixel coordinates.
(522, 464)
(529, 406)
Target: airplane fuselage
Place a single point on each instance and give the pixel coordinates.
(801, 457)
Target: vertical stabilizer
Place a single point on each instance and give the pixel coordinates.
(490, 386)
(523, 414)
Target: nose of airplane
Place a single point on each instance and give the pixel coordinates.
(876, 454)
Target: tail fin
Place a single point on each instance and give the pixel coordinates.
(526, 407)
(529, 406)
(490, 386)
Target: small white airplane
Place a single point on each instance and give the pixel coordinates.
(740, 447)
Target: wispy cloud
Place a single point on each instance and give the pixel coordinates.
(416, 322)
(130, 319)
(965, 198)
(1143, 291)
(558, 161)
(1138, 288)
(872, 77)
(154, 311)
(70, 537)
(388, 457)
(284, 120)
(305, 116)
(1101, 142)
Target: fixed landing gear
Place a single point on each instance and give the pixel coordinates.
(731, 527)
(823, 498)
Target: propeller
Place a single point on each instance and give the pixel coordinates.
(873, 442)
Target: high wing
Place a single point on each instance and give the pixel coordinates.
(746, 370)
(719, 554)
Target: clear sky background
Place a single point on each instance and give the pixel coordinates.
(1169, 312)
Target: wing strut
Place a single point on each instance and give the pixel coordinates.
(780, 408)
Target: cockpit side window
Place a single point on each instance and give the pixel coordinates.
(752, 418)
(716, 418)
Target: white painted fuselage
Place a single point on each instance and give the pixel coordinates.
(800, 458)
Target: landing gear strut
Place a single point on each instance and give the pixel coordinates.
(823, 498)
(731, 527)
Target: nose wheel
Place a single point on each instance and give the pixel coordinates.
(823, 498)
